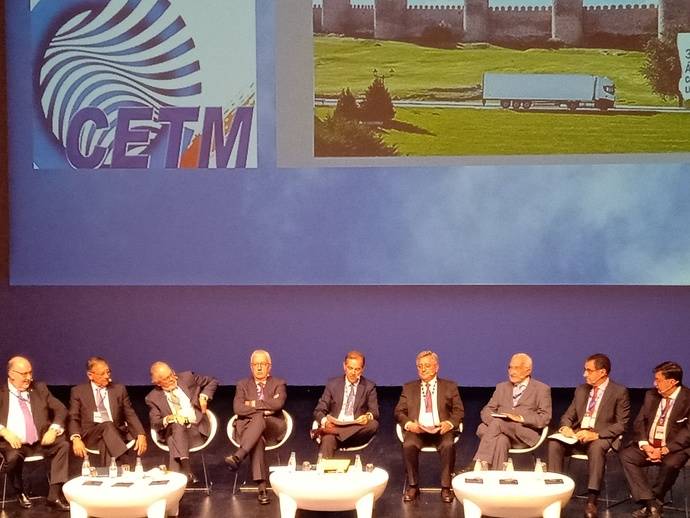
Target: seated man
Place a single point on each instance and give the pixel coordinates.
(661, 437)
(597, 417)
(32, 422)
(350, 401)
(258, 403)
(177, 411)
(429, 410)
(514, 416)
(101, 416)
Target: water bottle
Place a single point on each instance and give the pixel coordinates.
(112, 471)
(510, 465)
(477, 465)
(319, 463)
(538, 467)
(292, 462)
(85, 467)
(358, 464)
(139, 468)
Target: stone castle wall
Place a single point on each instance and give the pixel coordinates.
(567, 20)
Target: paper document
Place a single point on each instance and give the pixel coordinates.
(563, 438)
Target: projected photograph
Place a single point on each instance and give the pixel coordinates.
(143, 84)
(498, 77)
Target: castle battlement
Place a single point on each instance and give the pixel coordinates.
(619, 7)
(363, 7)
(434, 7)
(508, 8)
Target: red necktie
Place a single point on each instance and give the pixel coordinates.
(428, 404)
(592, 401)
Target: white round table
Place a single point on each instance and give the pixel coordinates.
(534, 494)
(328, 491)
(144, 497)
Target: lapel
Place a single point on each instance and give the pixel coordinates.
(679, 408)
(416, 398)
(606, 400)
(339, 394)
(359, 396)
(35, 406)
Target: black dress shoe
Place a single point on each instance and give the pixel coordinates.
(58, 504)
(263, 497)
(591, 510)
(24, 501)
(411, 494)
(191, 479)
(447, 495)
(233, 462)
(641, 513)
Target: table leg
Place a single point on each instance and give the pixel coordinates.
(553, 510)
(156, 509)
(288, 506)
(471, 509)
(77, 511)
(365, 506)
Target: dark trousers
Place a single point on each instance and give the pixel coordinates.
(634, 461)
(347, 437)
(596, 458)
(57, 454)
(254, 433)
(180, 439)
(413, 443)
(107, 439)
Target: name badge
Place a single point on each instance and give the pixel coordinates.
(97, 417)
(659, 433)
(587, 421)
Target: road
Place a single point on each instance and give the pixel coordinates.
(477, 105)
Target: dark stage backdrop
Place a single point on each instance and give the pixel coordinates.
(308, 329)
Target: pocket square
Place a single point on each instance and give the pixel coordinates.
(682, 420)
(276, 396)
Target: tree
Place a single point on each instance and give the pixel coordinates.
(336, 136)
(347, 106)
(661, 67)
(377, 104)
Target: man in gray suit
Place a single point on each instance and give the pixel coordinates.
(258, 403)
(177, 411)
(351, 402)
(429, 410)
(514, 416)
(597, 417)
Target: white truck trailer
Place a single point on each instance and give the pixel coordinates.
(569, 90)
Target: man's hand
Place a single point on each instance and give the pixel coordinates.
(11, 438)
(515, 417)
(567, 431)
(446, 426)
(140, 445)
(203, 402)
(585, 436)
(413, 426)
(653, 454)
(78, 447)
(251, 403)
(49, 437)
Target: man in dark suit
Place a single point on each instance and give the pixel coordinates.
(258, 403)
(351, 402)
(101, 416)
(514, 416)
(177, 411)
(597, 418)
(661, 437)
(32, 423)
(429, 411)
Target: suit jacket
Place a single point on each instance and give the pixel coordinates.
(275, 394)
(192, 385)
(45, 408)
(613, 414)
(534, 405)
(448, 402)
(331, 400)
(82, 405)
(678, 428)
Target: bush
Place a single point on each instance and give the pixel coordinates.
(377, 105)
(439, 35)
(346, 107)
(335, 136)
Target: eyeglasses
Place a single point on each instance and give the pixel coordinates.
(591, 370)
(26, 374)
(421, 366)
(260, 364)
(354, 369)
(170, 377)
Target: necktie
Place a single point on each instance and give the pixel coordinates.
(350, 405)
(517, 392)
(665, 405)
(175, 400)
(29, 425)
(592, 401)
(101, 405)
(428, 404)
(260, 391)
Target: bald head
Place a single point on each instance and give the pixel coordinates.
(163, 376)
(520, 367)
(19, 372)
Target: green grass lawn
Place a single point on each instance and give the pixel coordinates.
(463, 132)
(414, 71)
